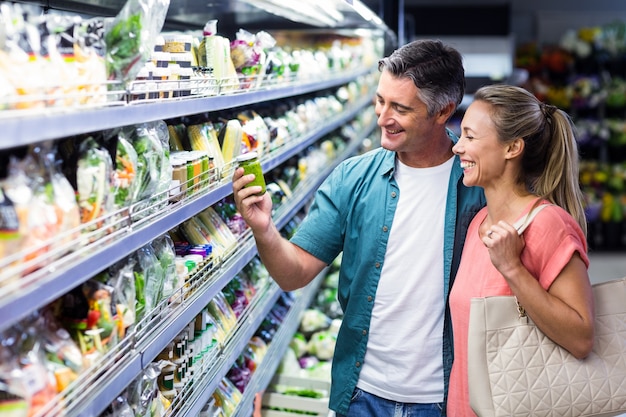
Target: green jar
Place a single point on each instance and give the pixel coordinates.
(251, 165)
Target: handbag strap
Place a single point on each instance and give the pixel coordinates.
(523, 223)
(520, 226)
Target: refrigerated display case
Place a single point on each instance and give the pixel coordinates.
(37, 287)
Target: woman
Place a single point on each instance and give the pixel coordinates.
(522, 153)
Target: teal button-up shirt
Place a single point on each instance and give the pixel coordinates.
(348, 214)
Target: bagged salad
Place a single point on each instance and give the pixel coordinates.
(130, 37)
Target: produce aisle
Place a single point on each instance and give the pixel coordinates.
(129, 285)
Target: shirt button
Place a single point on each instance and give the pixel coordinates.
(393, 194)
(385, 228)
(358, 364)
(364, 332)
(377, 265)
(369, 298)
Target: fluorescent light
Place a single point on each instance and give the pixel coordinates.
(318, 13)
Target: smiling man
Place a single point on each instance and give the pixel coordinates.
(399, 214)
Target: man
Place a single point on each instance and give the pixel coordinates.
(399, 213)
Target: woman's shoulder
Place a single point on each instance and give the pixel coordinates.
(554, 223)
(555, 214)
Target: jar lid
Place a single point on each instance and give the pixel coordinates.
(247, 156)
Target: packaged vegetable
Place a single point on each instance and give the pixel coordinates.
(36, 213)
(130, 37)
(151, 158)
(143, 393)
(148, 280)
(159, 127)
(10, 237)
(89, 314)
(120, 276)
(64, 360)
(24, 367)
(164, 251)
(125, 180)
(94, 183)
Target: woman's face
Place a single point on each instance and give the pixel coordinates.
(482, 155)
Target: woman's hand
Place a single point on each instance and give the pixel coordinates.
(505, 246)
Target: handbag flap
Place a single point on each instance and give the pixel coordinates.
(609, 297)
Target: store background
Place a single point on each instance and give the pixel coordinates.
(494, 28)
(480, 27)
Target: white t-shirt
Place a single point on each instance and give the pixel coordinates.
(404, 359)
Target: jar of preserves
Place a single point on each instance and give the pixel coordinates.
(251, 165)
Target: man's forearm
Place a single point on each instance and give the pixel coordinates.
(289, 265)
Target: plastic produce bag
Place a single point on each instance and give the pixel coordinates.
(161, 132)
(130, 37)
(143, 393)
(122, 279)
(152, 165)
(38, 220)
(166, 254)
(94, 182)
(23, 371)
(148, 280)
(10, 237)
(88, 314)
(125, 174)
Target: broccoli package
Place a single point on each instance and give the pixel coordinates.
(130, 37)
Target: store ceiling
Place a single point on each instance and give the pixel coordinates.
(234, 14)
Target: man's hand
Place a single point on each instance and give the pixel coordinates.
(256, 210)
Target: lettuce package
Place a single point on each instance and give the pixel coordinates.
(130, 37)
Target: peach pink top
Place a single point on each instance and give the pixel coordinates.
(551, 240)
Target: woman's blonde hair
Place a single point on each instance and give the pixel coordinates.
(550, 160)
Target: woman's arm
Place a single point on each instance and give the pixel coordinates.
(565, 312)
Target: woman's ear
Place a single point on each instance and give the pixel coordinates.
(515, 148)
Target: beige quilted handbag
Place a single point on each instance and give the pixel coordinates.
(515, 370)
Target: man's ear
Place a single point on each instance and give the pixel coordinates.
(515, 148)
(446, 113)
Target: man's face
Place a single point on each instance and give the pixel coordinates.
(402, 116)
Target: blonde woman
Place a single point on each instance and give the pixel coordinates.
(522, 153)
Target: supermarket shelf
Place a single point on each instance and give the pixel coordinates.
(272, 357)
(208, 382)
(58, 278)
(166, 328)
(116, 367)
(276, 351)
(163, 326)
(23, 128)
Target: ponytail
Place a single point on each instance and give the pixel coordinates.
(559, 182)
